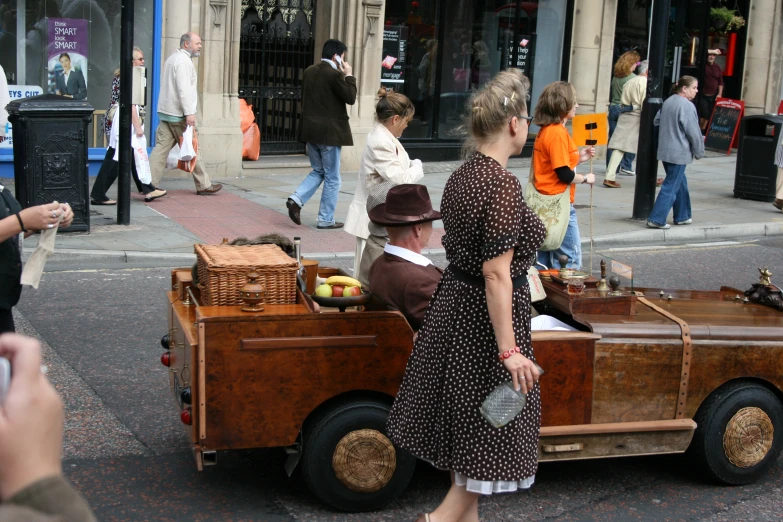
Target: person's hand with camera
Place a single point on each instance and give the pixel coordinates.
(31, 439)
(33, 219)
(31, 419)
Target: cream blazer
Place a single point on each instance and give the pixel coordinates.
(383, 159)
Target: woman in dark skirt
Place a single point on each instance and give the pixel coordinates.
(476, 333)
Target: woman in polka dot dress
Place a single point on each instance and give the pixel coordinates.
(476, 333)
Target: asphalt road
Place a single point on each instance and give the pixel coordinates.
(126, 450)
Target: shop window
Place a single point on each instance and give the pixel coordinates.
(479, 38)
(35, 34)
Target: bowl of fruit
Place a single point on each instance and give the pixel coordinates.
(341, 292)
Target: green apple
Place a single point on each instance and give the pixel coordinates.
(324, 291)
(352, 291)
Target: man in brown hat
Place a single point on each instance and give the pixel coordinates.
(403, 278)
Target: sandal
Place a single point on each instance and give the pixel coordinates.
(105, 202)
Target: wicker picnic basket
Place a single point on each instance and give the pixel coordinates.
(222, 271)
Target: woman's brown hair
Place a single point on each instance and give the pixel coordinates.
(555, 102)
(391, 104)
(683, 82)
(626, 64)
(490, 108)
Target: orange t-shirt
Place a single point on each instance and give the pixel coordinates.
(553, 148)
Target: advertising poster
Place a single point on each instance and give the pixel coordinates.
(68, 51)
(525, 56)
(17, 92)
(395, 40)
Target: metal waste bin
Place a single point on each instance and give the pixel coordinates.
(50, 153)
(756, 171)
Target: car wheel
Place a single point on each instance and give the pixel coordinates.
(739, 433)
(348, 461)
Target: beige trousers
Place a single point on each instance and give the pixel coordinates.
(373, 249)
(614, 163)
(779, 185)
(166, 136)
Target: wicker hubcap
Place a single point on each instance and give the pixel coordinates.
(364, 460)
(748, 437)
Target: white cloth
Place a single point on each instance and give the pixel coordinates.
(408, 255)
(178, 96)
(5, 99)
(383, 159)
(31, 273)
(547, 322)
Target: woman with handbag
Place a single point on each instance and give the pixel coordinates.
(476, 331)
(384, 159)
(110, 168)
(552, 185)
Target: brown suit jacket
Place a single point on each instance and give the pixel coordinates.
(404, 286)
(325, 92)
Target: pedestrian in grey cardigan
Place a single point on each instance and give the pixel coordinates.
(679, 142)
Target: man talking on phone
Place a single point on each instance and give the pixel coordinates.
(326, 88)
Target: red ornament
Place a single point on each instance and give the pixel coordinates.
(388, 22)
(165, 359)
(414, 4)
(186, 417)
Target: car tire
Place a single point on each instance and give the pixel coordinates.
(325, 440)
(739, 433)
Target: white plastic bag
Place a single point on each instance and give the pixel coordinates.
(139, 144)
(173, 158)
(186, 151)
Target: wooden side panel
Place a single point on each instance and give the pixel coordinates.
(567, 385)
(715, 363)
(265, 375)
(636, 381)
(615, 445)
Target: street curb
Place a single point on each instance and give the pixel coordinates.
(676, 233)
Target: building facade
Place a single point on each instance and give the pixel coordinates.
(434, 51)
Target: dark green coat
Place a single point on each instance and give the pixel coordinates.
(325, 92)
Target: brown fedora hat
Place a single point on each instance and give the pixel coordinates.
(405, 205)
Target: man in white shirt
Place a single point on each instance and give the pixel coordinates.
(177, 110)
(403, 278)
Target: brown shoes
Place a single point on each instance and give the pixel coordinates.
(611, 184)
(212, 189)
(778, 204)
(333, 226)
(293, 211)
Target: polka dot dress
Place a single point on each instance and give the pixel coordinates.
(454, 364)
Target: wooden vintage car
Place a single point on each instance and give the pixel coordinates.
(647, 373)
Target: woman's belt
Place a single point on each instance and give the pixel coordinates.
(461, 275)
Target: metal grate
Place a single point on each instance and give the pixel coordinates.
(276, 46)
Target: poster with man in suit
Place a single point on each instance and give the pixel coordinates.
(67, 57)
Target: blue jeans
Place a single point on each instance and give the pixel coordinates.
(572, 247)
(325, 160)
(614, 115)
(674, 194)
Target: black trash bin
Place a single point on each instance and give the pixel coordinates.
(50, 153)
(756, 171)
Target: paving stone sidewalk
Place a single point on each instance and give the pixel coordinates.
(255, 204)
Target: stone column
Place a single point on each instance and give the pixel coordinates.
(359, 24)
(761, 82)
(218, 24)
(591, 53)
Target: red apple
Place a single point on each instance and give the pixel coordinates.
(337, 290)
(351, 291)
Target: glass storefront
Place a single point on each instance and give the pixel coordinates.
(69, 47)
(438, 52)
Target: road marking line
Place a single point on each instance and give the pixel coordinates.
(677, 247)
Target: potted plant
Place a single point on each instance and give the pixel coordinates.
(725, 20)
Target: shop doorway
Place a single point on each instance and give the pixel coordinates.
(276, 46)
(693, 29)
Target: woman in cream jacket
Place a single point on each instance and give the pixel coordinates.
(383, 159)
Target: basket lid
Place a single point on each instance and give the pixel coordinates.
(245, 255)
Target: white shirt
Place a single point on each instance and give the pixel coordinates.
(66, 75)
(408, 255)
(334, 65)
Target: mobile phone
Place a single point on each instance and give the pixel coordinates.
(5, 378)
(337, 59)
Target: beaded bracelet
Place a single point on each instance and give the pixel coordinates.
(21, 223)
(509, 353)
